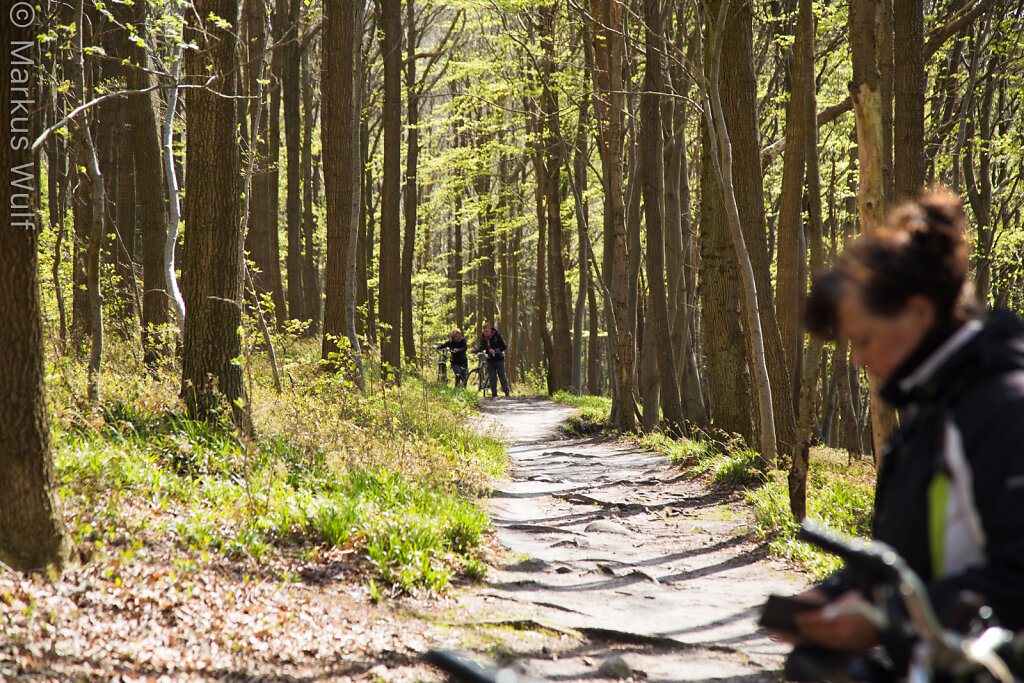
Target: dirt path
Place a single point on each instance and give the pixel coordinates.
(611, 553)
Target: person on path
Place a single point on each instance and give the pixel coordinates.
(493, 344)
(951, 480)
(457, 344)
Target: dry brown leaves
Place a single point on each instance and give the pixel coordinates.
(161, 613)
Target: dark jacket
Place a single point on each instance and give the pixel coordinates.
(950, 494)
(458, 350)
(495, 342)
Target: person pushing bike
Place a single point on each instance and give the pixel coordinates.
(493, 344)
(457, 344)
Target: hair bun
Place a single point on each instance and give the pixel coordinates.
(939, 230)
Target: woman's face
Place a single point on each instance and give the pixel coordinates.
(880, 343)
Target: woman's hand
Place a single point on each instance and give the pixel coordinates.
(838, 625)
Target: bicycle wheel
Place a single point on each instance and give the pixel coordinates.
(473, 379)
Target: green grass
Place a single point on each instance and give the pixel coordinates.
(593, 412)
(392, 474)
(840, 493)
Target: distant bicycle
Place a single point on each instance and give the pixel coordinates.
(442, 367)
(477, 377)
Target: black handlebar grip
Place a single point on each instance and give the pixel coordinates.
(460, 667)
(875, 559)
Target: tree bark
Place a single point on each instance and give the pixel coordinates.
(95, 233)
(391, 192)
(653, 164)
(792, 246)
(909, 86)
(32, 532)
(722, 158)
(803, 74)
(311, 249)
(411, 190)
(290, 89)
(340, 81)
(212, 263)
(609, 51)
(560, 356)
(151, 195)
(866, 90)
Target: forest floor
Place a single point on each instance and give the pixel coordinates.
(606, 563)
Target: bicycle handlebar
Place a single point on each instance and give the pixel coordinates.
(878, 565)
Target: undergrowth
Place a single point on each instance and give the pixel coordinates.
(592, 417)
(391, 475)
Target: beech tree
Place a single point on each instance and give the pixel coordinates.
(32, 532)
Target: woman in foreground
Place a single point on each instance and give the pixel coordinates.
(950, 491)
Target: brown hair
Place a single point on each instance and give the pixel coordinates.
(919, 250)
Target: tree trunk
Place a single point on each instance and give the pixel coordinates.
(582, 226)
(311, 252)
(866, 91)
(560, 356)
(803, 82)
(609, 49)
(95, 233)
(650, 377)
(290, 89)
(412, 153)
(792, 246)
(909, 85)
(32, 532)
(151, 196)
(212, 263)
(340, 81)
(653, 164)
(391, 191)
(273, 159)
(722, 158)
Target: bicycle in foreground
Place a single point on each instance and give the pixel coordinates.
(900, 606)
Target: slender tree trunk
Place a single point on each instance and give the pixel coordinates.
(340, 74)
(152, 216)
(653, 164)
(311, 252)
(95, 238)
(32, 531)
(290, 90)
(560, 356)
(411, 195)
(650, 380)
(609, 50)
(803, 73)
(582, 226)
(279, 20)
(391, 191)
(594, 346)
(173, 204)
(212, 264)
(792, 246)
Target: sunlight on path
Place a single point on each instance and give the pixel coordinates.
(612, 548)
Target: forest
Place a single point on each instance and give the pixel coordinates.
(220, 209)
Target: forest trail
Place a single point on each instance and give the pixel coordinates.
(614, 553)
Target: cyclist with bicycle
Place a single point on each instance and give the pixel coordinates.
(493, 344)
(460, 366)
(950, 490)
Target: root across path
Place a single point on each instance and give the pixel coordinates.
(617, 566)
